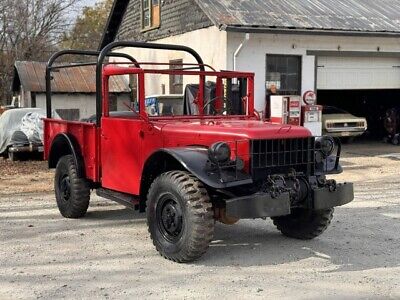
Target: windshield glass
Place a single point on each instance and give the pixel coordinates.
(160, 93)
(169, 95)
(331, 110)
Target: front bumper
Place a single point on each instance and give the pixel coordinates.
(262, 205)
(323, 198)
(28, 148)
(345, 132)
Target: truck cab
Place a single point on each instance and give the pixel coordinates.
(210, 158)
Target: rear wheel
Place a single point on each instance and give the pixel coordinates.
(179, 216)
(304, 224)
(72, 192)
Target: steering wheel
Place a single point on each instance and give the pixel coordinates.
(214, 110)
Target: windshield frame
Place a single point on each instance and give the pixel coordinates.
(114, 70)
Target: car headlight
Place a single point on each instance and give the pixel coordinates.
(219, 152)
(326, 145)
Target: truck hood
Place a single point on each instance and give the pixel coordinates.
(230, 130)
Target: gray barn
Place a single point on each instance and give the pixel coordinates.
(74, 89)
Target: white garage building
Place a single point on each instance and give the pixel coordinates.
(346, 50)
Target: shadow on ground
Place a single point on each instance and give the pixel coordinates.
(368, 148)
(369, 242)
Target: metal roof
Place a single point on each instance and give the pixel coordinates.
(329, 17)
(31, 75)
(373, 16)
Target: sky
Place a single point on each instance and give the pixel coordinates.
(78, 9)
(87, 3)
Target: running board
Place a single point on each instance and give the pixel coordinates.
(127, 200)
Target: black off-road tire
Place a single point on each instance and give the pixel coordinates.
(179, 216)
(304, 224)
(72, 192)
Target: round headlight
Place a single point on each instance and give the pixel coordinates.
(326, 145)
(219, 152)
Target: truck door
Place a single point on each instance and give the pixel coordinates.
(121, 152)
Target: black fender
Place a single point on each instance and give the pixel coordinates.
(328, 166)
(195, 160)
(331, 164)
(66, 144)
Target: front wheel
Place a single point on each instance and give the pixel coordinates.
(72, 192)
(304, 224)
(179, 216)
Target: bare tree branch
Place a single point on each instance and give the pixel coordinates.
(30, 30)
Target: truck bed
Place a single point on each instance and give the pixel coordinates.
(85, 135)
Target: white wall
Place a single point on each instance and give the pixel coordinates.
(25, 98)
(209, 42)
(86, 103)
(253, 55)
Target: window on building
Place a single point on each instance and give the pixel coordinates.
(112, 102)
(151, 14)
(33, 100)
(285, 72)
(176, 81)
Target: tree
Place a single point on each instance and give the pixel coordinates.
(89, 27)
(30, 30)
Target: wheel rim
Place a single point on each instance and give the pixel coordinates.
(170, 218)
(65, 188)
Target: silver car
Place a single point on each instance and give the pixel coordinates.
(21, 130)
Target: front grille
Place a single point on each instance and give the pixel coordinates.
(282, 155)
(345, 125)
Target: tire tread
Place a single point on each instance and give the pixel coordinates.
(80, 190)
(318, 223)
(200, 213)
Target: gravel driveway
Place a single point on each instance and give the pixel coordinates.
(108, 254)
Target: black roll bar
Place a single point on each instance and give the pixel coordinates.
(55, 56)
(106, 52)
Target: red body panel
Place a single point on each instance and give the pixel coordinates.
(207, 130)
(86, 135)
(121, 154)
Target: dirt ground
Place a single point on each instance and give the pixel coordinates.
(24, 177)
(109, 255)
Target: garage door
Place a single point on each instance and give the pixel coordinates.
(353, 73)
